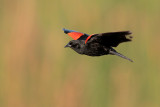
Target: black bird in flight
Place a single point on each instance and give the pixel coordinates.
(97, 44)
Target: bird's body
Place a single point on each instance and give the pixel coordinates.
(94, 49)
(98, 44)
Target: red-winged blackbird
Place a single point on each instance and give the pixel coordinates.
(97, 44)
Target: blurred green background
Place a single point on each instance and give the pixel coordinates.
(37, 71)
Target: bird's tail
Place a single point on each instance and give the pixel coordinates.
(114, 52)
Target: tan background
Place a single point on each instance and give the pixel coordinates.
(37, 71)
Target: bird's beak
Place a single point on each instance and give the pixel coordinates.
(67, 45)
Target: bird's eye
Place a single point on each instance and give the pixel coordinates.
(71, 43)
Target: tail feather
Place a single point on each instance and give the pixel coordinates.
(120, 55)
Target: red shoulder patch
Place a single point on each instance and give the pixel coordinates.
(75, 35)
(88, 38)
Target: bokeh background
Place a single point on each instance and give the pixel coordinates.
(37, 71)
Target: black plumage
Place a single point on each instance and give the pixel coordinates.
(101, 44)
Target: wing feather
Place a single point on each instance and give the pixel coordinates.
(75, 34)
(111, 38)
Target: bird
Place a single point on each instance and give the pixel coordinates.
(97, 44)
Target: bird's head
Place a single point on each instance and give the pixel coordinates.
(73, 44)
(76, 45)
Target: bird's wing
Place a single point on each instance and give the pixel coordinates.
(76, 35)
(111, 38)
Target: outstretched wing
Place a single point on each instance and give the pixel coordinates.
(110, 39)
(76, 35)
